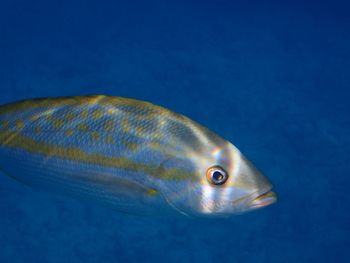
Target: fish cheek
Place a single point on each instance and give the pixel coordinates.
(178, 181)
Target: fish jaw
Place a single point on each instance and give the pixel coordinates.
(263, 200)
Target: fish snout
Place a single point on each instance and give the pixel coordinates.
(258, 187)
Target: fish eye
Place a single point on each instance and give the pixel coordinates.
(217, 175)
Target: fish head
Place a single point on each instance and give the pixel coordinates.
(218, 183)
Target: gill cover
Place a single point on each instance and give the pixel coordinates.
(181, 188)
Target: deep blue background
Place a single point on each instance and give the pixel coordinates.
(272, 78)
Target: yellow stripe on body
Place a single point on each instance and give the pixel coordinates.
(18, 141)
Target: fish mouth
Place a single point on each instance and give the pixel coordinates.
(264, 199)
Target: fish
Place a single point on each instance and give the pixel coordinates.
(130, 155)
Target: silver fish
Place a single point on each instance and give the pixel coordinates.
(130, 155)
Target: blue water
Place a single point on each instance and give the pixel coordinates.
(272, 77)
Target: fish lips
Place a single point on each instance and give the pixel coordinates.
(263, 200)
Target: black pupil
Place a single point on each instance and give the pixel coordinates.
(218, 176)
